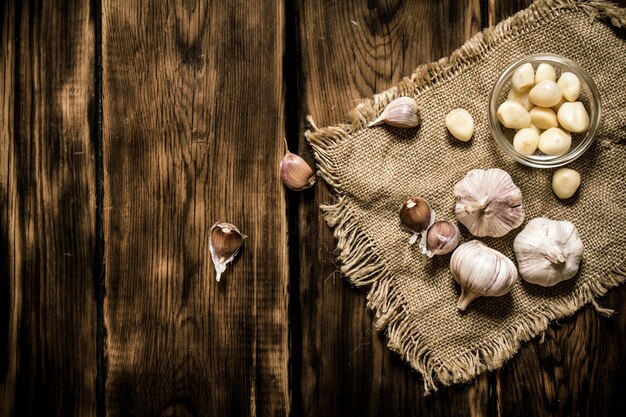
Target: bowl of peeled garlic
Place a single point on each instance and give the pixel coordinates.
(544, 111)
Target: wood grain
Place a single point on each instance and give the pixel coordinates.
(47, 210)
(193, 126)
(351, 50)
(576, 368)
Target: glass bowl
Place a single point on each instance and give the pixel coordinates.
(589, 96)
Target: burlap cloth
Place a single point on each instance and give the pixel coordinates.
(373, 170)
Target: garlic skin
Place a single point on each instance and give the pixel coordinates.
(416, 216)
(401, 112)
(488, 203)
(548, 251)
(295, 173)
(224, 243)
(441, 238)
(481, 272)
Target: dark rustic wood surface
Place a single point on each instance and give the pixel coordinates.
(129, 128)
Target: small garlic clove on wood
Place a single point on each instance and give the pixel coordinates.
(545, 94)
(545, 72)
(543, 117)
(401, 112)
(523, 77)
(441, 238)
(295, 173)
(548, 251)
(513, 115)
(481, 272)
(460, 123)
(416, 216)
(555, 141)
(570, 85)
(565, 182)
(573, 117)
(224, 243)
(488, 203)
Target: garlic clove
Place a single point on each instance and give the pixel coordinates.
(401, 112)
(573, 117)
(565, 182)
(488, 202)
(513, 115)
(224, 243)
(570, 85)
(525, 141)
(523, 77)
(521, 98)
(555, 141)
(416, 216)
(548, 251)
(545, 72)
(441, 238)
(295, 173)
(481, 272)
(545, 94)
(543, 117)
(460, 124)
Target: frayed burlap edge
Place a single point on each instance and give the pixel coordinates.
(358, 254)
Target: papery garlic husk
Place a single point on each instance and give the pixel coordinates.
(488, 203)
(295, 173)
(481, 272)
(224, 244)
(441, 238)
(401, 112)
(416, 216)
(548, 251)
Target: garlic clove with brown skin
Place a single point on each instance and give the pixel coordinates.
(295, 173)
(488, 202)
(441, 238)
(548, 251)
(224, 243)
(481, 272)
(401, 112)
(416, 216)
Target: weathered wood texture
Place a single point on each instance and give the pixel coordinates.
(193, 125)
(47, 210)
(351, 50)
(577, 367)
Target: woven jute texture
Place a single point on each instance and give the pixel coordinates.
(373, 170)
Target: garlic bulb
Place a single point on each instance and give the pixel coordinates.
(481, 272)
(224, 244)
(441, 238)
(401, 112)
(488, 203)
(416, 216)
(295, 172)
(548, 251)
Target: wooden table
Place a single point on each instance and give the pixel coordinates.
(128, 128)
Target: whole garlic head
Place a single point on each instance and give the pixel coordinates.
(548, 251)
(488, 203)
(481, 272)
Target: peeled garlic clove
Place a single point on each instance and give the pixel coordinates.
(460, 124)
(520, 97)
(224, 244)
(416, 216)
(545, 72)
(543, 117)
(548, 251)
(565, 182)
(525, 141)
(488, 203)
(401, 112)
(523, 77)
(574, 117)
(481, 272)
(441, 238)
(513, 115)
(545, 94)
(555, 141)
(295, 172)
(570, 85)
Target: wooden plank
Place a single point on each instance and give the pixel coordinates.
(193, 126)
(47, 210)
(577, 366)
(351, 50)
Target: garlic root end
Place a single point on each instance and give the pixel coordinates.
(465, 299)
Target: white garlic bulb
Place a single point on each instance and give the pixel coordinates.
(488, 203)
(401, 112)
(548, 251)
(481, 272)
